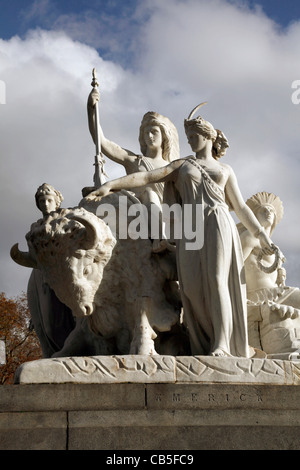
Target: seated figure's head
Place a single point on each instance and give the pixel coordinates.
(267, 207)
(48, 199)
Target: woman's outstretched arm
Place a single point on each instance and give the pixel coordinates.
(136, 180)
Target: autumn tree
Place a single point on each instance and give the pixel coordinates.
(16, 331)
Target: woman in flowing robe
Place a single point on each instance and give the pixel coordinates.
(211, 276)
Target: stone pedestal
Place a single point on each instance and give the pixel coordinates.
(152, 403)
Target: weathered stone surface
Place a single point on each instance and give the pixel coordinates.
(187, 438)
(235, 370)
(183, 430)
(33, 431)
(211, 396)
(153, 402)
(100, 369)
(159, 369)
(160, 416)
(66, 397)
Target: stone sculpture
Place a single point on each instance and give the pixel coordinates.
(95, 292)
(156, 298)
(164, 370)
(273, 308)
(116, 286)
(159, 145)
(213, 290)
(53, 321)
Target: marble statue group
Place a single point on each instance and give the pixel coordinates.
(93, 291)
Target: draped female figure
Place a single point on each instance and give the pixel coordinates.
(211, 275)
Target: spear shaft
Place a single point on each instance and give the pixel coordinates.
(99, 177)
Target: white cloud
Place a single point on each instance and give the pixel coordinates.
(44, 135)
(184, 52)
(244, 65)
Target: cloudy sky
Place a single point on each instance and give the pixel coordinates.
(167, 56)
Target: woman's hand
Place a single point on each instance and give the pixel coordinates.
(266, 243)
(93, 98)
(103, 191)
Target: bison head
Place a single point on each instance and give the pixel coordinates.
(71, 247)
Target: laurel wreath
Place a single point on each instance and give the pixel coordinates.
(279, 259)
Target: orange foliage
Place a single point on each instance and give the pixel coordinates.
(16, 331)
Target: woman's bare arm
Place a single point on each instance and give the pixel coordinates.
(139, 179)
(245, 214)
(112, 150)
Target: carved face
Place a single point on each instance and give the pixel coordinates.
(266, 215)
(47, 203)
(196, 140)
(153, 137)
(71, 248)
(75, 280)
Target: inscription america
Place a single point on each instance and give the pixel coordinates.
(171, 398)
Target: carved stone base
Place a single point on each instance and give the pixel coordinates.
(153, 416)
(159, 369)
(152, 403)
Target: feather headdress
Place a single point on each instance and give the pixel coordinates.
(263, 198)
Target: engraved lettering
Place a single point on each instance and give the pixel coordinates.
(194, 396)
(158, 397)
(176, 396)
(243, 397)
(211, 397)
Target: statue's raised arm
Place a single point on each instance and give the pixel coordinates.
(159, 145)
(110, 149)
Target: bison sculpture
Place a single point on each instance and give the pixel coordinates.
(117, 289)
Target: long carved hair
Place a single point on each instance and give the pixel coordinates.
(170, 145)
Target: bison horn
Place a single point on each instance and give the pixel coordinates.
(91, 237)
(22, 258)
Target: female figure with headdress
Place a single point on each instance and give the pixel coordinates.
(273, 307)
(211, 278)
(262, 270)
